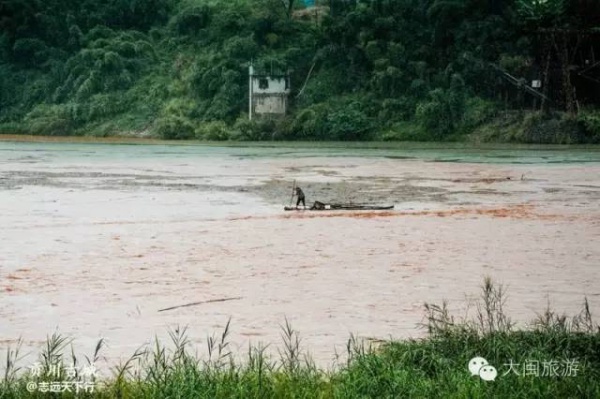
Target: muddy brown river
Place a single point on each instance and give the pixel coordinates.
(96, 239)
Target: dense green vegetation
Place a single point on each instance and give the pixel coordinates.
(372, 69)
(558, 357)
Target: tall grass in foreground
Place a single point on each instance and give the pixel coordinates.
(566, 352)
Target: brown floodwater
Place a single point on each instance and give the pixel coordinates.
(96, 240)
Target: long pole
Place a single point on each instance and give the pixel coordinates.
(250, 74)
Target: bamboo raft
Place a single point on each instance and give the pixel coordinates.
(341, 207)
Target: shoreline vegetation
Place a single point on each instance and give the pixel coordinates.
(401, 70)
(556, 356)
(375, 145)
(525, 128)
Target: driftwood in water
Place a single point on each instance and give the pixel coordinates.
(200, 303)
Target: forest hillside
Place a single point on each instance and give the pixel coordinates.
(485, 70)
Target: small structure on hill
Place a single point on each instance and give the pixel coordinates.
(268, 93)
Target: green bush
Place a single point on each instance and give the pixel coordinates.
(477, 112)
(535, 128)
(108, 63)
(308, 124)
(182, 107)
(396, 109)
(12, 128)
(31, 52)
(213, 131)
(339, 119)
(192, 19)
(259, 128)
(555, 128)
(434, 115)
(50, 120)
(174, 127)
(590, 120)
(348, 124)
(405, 131)
(441, 114)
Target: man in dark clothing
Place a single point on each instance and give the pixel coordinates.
(301, 198)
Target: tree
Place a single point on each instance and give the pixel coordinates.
(561, 30)
(288, 6)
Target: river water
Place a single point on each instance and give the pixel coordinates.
(96, 239)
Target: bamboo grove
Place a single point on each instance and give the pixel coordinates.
(497, 70)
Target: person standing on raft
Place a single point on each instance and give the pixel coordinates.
(301, 197)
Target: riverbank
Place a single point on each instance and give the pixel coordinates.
(506, 128)
(481, 356)
(374, 144)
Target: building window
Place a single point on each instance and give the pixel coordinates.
(263, 83)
